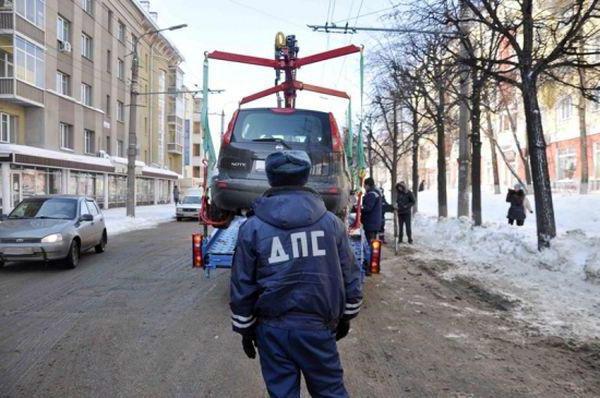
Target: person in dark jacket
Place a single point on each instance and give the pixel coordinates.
(385, 208)
(176, 194)
(371, 212)
(295, 285)
(518, 205)
(405, 200)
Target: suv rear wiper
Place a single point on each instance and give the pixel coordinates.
(272, 139)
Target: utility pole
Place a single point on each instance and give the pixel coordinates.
(222, 122)
(463, 128)
(132, 142)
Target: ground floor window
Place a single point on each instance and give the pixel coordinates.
(164, 192)
(38, 181)
(117, 190)
(144, 188)
(88, 184)
(566, 164)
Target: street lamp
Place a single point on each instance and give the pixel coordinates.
(132, 146)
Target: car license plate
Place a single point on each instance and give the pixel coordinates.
(259, 165)
(17, 251)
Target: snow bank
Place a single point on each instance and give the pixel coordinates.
(558, 289)
(146, 217)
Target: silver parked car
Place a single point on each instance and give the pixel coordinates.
(57, 227)
(189, 207)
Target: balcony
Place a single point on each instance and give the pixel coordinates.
(175, 143)
(18, 92)
(174, 148)
(10, 20)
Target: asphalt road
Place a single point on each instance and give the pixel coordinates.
(138, 321)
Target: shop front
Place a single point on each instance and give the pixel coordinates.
(29, 171)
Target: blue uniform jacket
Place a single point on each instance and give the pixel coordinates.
(293, 256)
(372, 211)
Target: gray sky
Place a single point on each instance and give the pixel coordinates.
(249, 27)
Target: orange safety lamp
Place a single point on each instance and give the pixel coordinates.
(197, 239)
(375, 256)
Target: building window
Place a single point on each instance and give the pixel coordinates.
(8, 124)
(32, 10)
(108, 145)
(86, 94)
(63, 30)
(87, 49)
(121, 32)
(597, 160)
(108, 105)
(88, 140)
(66, 135)
(88, 6)
(133, 41)
(6, 63)
(120, 69)
(29, 62)
(566, 163)
(63, 83)
(108, 61)
(196, 151)
(120, 148)
(196, 172)
(120, 111)
(109, 21)
(566, 108)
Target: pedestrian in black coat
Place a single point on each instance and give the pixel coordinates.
(405, 200)
(371, 210)
(519, 204)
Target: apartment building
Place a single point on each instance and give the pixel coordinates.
(64, 101)
(194, 151)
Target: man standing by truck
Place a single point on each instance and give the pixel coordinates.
(294, 283)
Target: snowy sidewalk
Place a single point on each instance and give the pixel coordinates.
(146, 217)
(558, 290)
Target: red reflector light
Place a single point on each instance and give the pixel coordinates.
(221, 184)
(197, 250)
(333, 190)
(375, 256)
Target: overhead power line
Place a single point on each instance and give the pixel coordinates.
(332, 28)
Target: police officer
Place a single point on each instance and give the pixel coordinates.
(371, 210)
(294, 283)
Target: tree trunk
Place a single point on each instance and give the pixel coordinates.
(583, 148)
(476, 150)
(546, 226)
(415, 166)
(441, 160)
(524, 160)
(495, 172)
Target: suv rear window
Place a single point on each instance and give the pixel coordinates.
(307, 128)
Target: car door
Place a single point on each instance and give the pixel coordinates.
(86, 228)
(97, 224)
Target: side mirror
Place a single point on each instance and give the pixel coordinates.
(86, 217)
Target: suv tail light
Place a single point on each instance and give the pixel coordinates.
(336, 139)
(226, 139)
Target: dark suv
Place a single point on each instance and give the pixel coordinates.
(255, 133)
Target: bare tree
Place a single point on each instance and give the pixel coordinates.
(540, 38)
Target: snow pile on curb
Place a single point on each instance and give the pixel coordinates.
(558, 290)
(146, 217)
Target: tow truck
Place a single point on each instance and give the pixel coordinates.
(215, 249)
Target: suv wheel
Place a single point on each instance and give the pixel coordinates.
(99, 248)
(72, 259)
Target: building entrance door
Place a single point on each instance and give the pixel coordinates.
(17, 196)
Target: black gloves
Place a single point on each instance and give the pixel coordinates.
(342, 329)
(248, 343)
